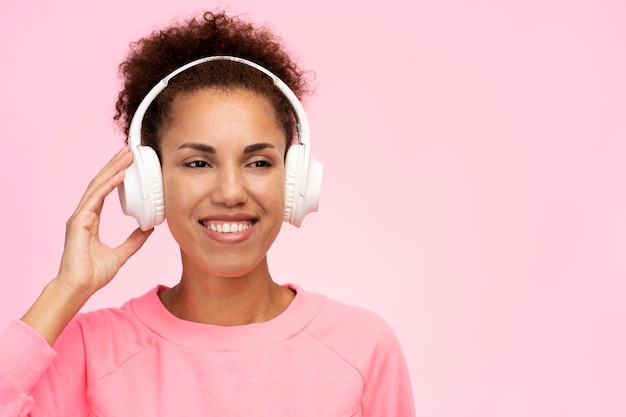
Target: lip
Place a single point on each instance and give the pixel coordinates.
(231, 237)
(229, 217)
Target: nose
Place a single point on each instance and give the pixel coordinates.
(230, 187)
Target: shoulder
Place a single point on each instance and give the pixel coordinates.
(103, 337)
(333, 312)
(109, 323)
(355, 319)
(105, 326)
(357, 334)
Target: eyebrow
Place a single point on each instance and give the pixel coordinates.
(257, 147)
(198, 147)
(210, 149)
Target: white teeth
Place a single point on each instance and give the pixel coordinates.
(228, 228)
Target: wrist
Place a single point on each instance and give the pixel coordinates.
(68, 291)
(57, 305)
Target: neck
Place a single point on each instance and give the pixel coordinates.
(227, 301)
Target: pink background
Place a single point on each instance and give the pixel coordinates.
(474, 180)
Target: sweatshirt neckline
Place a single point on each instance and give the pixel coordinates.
(152, 313)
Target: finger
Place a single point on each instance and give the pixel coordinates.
(109, 177)
(119, 162)
(95, 200)
(132, 244)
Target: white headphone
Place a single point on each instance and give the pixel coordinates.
(141, 193)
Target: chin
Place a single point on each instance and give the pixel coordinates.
(225, 266)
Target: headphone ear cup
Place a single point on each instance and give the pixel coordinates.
(141, 193)
(155, 184)
(300, 198)
(291, 180)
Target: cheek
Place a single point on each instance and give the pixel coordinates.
(272, 192)
(177, 194)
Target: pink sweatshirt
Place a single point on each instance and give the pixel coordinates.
(319, 358)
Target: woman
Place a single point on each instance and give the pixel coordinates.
(227, 340)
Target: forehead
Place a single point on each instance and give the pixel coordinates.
(233, 114)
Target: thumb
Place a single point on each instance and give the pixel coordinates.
(132, 244)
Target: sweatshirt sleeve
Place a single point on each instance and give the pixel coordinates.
(367, 343)
(24, 356)
(41, 381)
(387, 388)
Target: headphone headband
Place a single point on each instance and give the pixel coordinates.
(303, 128)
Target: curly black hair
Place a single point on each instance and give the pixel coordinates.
(214, 33)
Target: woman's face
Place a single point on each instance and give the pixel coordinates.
(222, 156)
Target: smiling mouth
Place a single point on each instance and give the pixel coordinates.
(227, 227)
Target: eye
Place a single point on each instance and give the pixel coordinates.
(260, 164)
(197, 164)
